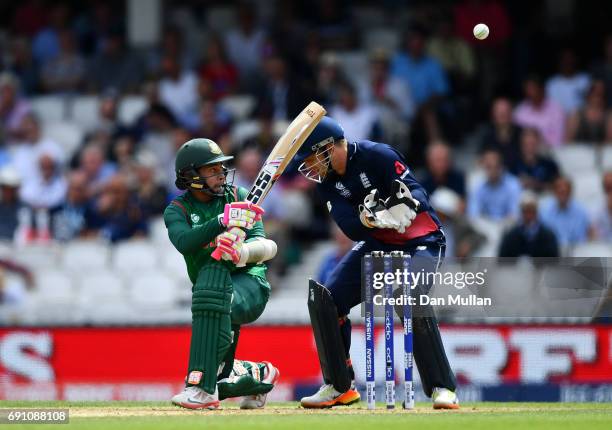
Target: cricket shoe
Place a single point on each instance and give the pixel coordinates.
(328, 397)
(193, 397)
(258, 401)
(444, 398)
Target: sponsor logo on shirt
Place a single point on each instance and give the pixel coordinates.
(365, 181)
(344, 192)
(400, 168)
(195, 218)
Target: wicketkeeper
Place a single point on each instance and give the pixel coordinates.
(373, 197)
(226, 293)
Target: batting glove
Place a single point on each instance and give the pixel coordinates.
(230, 242)
(240, 214)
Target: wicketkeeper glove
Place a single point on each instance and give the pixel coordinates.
(374, 214)
(230, 242)
(240, 214)
(402, 206)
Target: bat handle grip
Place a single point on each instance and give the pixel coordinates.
(216, 254)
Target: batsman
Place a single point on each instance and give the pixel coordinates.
(376, 201)
(226, 293)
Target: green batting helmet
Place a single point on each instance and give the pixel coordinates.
(190, 157)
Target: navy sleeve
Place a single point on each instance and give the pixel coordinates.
(345, 215)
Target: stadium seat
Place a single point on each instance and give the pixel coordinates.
(49, 108)
(67, 134)
(574, 158)
(54, 286)
(84, 110)
(38, 257)
(239, 106)
(54, 300)
(384, 38)
(100, 287)
(172, 262)
(158, 232)
(130, 108)
(85, 255)
(606, 158)
(593, 249)
(134, 256)
(152, 290)
(587, 189)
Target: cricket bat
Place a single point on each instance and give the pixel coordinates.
(282, 154)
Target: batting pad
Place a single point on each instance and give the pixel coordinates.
(211, 334)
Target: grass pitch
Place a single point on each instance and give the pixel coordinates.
(489, 416)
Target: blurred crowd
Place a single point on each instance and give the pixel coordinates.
(416, 79)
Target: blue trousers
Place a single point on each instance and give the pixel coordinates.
(345, 286)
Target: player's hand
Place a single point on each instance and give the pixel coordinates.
(402, 206)
(240, 214)
(374, 214)
(230, 242)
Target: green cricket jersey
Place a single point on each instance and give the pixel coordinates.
(193, 226)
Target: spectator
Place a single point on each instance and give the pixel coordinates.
(71, 218)
(342, 245)
(280, 96)
(47, 189)
(529, 237)
(117, 212)
(115, 67)
(218, 71)
(20, 63)
(603, 218)
(27, 151)
(540, 112)
(423, 74)
(12, 293)
(567, 218)
(46, 44)
(172, 45)
(535, 170)
(245, 43)
(454, 54)
(329, 79)
(497, 198)
(501, 134)
(178, 137)
(96, 169)
(214, 123)
(389, 95)
(65, 72)
(30, 16)
(9, 202)
(248, 163)
(462, 239)
(178, 90)
(603, 70)
(359, 120)
(440, 172)
(13, 108)
(591, 123)
(152, 196)
(569, 87)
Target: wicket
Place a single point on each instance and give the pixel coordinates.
(390, 262)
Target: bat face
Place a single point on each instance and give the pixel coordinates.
(285, 149)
